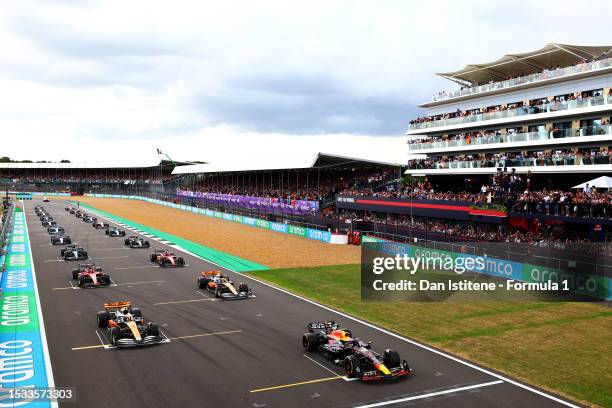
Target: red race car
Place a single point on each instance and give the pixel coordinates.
(91, 276)
(166, 259)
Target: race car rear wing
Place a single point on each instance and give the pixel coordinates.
(117, 305)
(325, 326)
(211, 273)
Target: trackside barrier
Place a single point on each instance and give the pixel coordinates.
(318, 235)
(595, 286)
(22, 360)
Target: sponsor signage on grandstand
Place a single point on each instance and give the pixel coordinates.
(454, 210)
(22, 353)
(287, 205)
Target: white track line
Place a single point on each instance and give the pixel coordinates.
(322, 366)
(43, 333)
(397, 336)
(430, 394)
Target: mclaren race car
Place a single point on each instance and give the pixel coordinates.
(222, 286)
(100, 225)
(74, 253)
(115, 232)
(126, 327)
(90, 276)
(60, 239)
(89, 218)
(55, 230)
(356, 356)
(167, 259)
(136, 242)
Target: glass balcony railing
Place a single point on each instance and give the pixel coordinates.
(568, 160)
(552, 106)
(555, 73)
(513, 138)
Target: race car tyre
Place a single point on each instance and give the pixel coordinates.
(243, 288)
(85, 255)
(75, 274)
(202, 283)
(352, 366)
(115, 335)
(103, 318)
(310, 341)
(217, 291)
(105, 279)
(106, 232)
(180, 261)
(68, 241)
(391, 358)
(153, 257)
(126, 242)
(146, 244)
(153, 329)
(136, 312)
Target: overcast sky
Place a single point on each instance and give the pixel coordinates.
(252, 80)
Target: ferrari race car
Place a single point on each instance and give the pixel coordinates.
(89, 218)
(115, 232)
(126, 327)
(100, 225)
(136, 242)
(166, 259)
(74, 253)
(89, 275)
(222, 286)
(356, 356)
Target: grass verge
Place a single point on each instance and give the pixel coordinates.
(562, 347)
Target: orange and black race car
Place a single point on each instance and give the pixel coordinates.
(222, 286)
(126, 327)
(356, 356)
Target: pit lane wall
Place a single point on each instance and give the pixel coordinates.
(599, 287)
(310, 233)
(23, 347)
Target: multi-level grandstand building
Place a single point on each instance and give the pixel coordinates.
(545, 113)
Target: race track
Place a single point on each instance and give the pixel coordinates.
(224, 353)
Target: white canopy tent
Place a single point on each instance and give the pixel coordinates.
(599, 182)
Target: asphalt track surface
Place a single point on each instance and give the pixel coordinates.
(244, 353)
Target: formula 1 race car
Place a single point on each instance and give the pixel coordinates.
(49, 223)
(100, 225)
(126, 327)
(115, 232)
(46, 200)
(166, 259)
(89, 218)
(136, 242)
(222, 286)
(60, 239)
(91, 276)
(67, 208)
(356, 356)
(73, 210)
(74, 253)
(78, 214)
(55, 230)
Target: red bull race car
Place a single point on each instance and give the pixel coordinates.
(167, 259)
(357, 357)
(126, 327)
(91, 276)
(222, 286)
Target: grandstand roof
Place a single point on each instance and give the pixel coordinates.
(320, 160)
(512, 65)
(106, 164)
